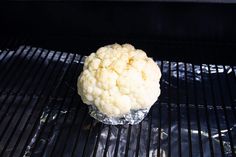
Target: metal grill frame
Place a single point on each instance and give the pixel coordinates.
(12, 118)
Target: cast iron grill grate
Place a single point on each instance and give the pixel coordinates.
(42, 115)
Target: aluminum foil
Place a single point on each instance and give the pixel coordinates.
(134, 117)
(160, 132)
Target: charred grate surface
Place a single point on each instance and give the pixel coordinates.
(42, 115)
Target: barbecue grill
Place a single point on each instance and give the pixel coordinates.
(42, 54)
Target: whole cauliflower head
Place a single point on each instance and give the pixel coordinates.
(119, 78)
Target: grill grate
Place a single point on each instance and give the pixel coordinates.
(42, 115)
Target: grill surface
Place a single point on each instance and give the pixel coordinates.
(42, 115)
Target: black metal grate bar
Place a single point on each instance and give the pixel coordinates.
(159, 113)
(4, 108)
(138, 140)
(225, 113)
(215, 111)
(197, 111)
(33, 110)
(117, 142)
(51, 70)
(48, 113)
(179, 115)
(207, 114)
(3, 45)
(5, 112)
(75, 128)
(230, 90)
(82, 136)
(64, 117)
(93, 139)
(49, 146)
(107, 141)
(17, 115)
(23, 120)
(234, 73)
(42, 115)
(10, 63)
(188, 112)
(169, 111)
(128, 141)
(36, 110)
(149, 132)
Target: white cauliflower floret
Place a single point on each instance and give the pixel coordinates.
(119, 78)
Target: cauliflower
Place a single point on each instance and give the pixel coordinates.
(119, 78)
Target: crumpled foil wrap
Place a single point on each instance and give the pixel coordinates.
(134, 117)
(184, 121)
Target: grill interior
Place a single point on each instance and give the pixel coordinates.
(42, 115)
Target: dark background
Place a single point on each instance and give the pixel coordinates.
(178, 31)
